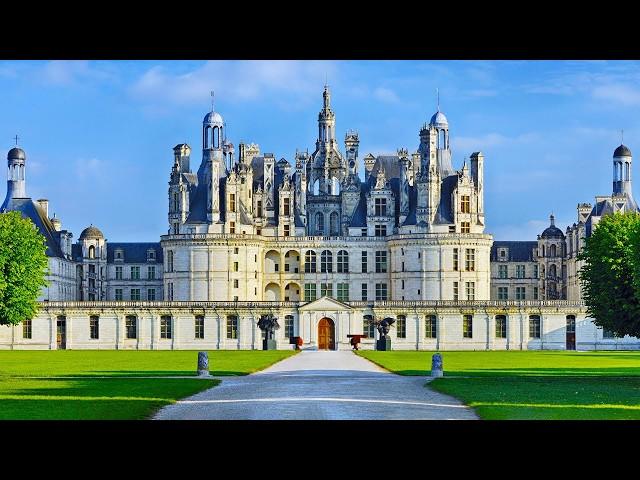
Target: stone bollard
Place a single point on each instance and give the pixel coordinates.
(203, 364)
(436, 365)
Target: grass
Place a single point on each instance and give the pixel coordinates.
(77, 392)
(523, 385)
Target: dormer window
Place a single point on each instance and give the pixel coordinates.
(151, 255)
(503, 254)
(119, 255)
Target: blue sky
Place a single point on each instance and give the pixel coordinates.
(99, 135)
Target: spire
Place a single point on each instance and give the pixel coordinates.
(621, 137)
(552, 219)
(326, 95)
(16, 138)
(438, 95)
(212, 109)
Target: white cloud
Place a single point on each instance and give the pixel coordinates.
(618, 93)
(386, 95)
(232, 81)
(91, 169)
(70, 72)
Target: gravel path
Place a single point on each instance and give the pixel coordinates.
(319, 385)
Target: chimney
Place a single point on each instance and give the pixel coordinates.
(44, 205)
(57, 224)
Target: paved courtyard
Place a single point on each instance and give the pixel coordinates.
(319, 385)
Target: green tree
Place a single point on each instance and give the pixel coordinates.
(23, 266)
(610, 275)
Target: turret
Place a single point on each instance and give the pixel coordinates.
(16, 185)
(622, 171)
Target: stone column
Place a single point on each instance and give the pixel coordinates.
(440, 331)
(491, 330)
(419, 331)
(52, 331)
(120, 330)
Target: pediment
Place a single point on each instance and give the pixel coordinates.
(325, 303)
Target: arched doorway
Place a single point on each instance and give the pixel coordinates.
(326, 334)
(571, 332)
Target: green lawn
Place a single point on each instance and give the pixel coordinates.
(532, 385)
(24, 397)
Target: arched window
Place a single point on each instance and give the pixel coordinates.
(627, 171)
(326, 262)
(334, 228)
(543, 250)
(441, 139)
(320, 223)
(92, 252)
(335, 186)
(368, 326)
(552, 251)
(552, 270)
(343, 261)
(215, 141)
(310, 262)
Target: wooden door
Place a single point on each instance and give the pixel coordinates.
(571, 332)
(326, 334)
(61, 331)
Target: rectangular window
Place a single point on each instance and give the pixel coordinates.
(118, 273)
(343, 292)
(470, 260)
(259, 209)
(364, 262)
(381, 231)
(232, 202)
(94, 327)
(381, 262)
(455, 291)
(471, 290)
(235, 266)
(455, 259)
(363, 232)
(286, 230)
(467, 326)
(131, 326)
(235, 283)
(286, 211)
(465, 227)
(519, 271)
(169, 291)
(365, 291)
(235, 250)
(151, 294)
(381, 291)
(135, 273)
(520, 293)
(118, 294)
(535, 293)
(503, 293)
(401, 327)
(465, 204)
(535, 271)
(501, 326)
(452, 229)
(502, 271)
(310, 292)
(326, 289)
(430, 326)
(380, 207)
(135, 294)
(534, 326)
(27, 329)
(288, 326)
(368, 326)
(199, 326)
(258, 231)
(232, 327)
(232, 227)
(165, 326)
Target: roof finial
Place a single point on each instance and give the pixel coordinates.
(212, 100)
(622, 137)
(16, 138)
(552, 218)
(438, 94)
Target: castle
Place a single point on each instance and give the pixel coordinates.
(250, 231)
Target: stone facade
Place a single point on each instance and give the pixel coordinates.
(420, 325)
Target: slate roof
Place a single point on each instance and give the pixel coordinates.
(518, 251)
(134, 252)
(29, 209)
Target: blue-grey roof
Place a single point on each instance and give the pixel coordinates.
(30, 210)
(134, 252)
(518, 251)
(622, 151)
